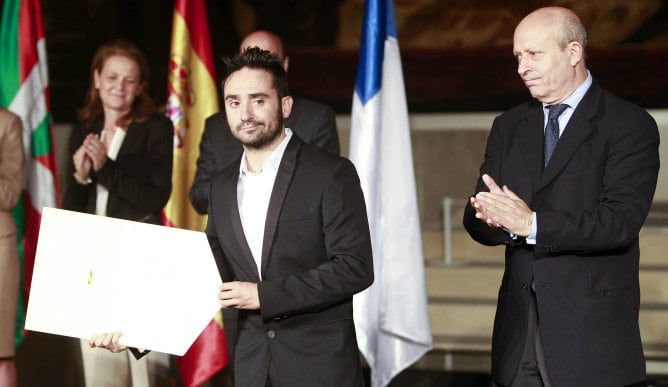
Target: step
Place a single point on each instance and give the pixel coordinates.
(468, 327)
(654, 287)
(653, 247)
(654, 330)
(462, 325)
(465, 282)
(471, 282)
(463, 248)
(462, 304)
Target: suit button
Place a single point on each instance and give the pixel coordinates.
(271, 334)
(525, 286)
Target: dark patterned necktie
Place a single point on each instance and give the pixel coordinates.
(552, 130)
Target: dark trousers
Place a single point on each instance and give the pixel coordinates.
(532, 371)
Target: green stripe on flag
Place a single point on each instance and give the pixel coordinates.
(9, 87)
(41, 137)
(20, 307)
(9, 47)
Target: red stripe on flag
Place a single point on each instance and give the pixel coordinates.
(165, 220)
(195, 15)
(32, 220)
(30, 32)
(203, 358)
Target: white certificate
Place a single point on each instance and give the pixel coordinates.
(93, 274)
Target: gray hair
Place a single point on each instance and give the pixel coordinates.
(572, 31)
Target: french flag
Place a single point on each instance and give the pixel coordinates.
(391, 316)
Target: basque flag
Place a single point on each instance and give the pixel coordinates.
(24, 90)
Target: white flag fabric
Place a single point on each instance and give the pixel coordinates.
(391, 316)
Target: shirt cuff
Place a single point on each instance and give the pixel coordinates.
(82, 182)
(531, 238)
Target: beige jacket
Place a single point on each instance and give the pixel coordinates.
(11, 168)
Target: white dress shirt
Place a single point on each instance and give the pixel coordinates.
(253, 194)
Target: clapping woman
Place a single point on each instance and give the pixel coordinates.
(120, 166)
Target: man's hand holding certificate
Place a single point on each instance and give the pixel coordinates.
(157, 285)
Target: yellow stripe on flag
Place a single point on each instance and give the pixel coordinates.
(192, 98)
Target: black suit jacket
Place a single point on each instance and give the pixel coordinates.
(316, 255)
(139, 180)
(591, 202)
(312, 121)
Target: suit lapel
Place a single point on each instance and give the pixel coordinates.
(130, 140)
(230, 196)
(531, 136)
(283, 177)
(575, 133)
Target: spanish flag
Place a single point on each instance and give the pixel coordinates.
(192, 98)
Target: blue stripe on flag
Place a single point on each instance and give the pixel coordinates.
(374, 33)
(391, 29)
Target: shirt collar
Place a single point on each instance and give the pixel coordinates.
(574, 99)
(274, 159)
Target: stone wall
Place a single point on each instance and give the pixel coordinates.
(489, 23)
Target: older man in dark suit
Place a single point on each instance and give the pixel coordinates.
(314, 122)
(566, 183)
(288, 228)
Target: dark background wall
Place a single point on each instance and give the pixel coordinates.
(456, 53)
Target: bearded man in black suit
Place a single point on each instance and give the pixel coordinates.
(313, 121)
(288, 228)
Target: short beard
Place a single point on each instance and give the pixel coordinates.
(264, 138)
